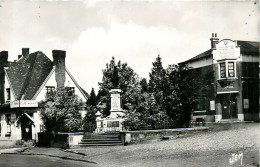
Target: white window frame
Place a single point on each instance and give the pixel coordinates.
(226, 68)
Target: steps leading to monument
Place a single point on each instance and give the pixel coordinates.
(100, 140)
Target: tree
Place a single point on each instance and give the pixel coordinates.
(92, 101)
(61, 111)
(117, 75)
(144, 85)
(157, 82)
(145, 113)
(139, 104)
(172, 102)
(90, 119)
(183, 93)
(188, 94)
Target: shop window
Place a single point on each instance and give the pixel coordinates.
(70, 91)
(50, 89)
(8, 94)
(227, 69)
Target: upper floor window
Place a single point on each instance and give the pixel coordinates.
(227, 69)
(70, 91)
(50, 89)
(222, 70)
(231, 69)
(8, 94)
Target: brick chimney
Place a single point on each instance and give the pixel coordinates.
(59, 63)
(25, 52)
(3, 58)
(3, 63)
(214, 40)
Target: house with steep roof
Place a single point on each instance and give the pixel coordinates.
(23, 84)
(234, 91)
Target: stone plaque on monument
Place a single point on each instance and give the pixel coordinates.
(115, 100)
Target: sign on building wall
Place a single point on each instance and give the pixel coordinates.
(14, 104)
(212, 105)
(226, 86)
(23, 103)
(226, 49)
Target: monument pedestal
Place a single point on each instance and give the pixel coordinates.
(113, 122)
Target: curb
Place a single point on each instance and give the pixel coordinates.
(21, 151)
(75, 152)
(62, 157)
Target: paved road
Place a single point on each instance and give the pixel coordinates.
(238, 146)
(233, 147)
(158, 158)
(18, 160)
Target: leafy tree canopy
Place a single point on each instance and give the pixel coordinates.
(92, 101)
(157, 81)
(117, 75)
(60, 111)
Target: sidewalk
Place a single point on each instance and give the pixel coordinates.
(13, 150)
(58, 153)
(52, 152)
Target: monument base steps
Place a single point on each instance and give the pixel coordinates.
(109, 139)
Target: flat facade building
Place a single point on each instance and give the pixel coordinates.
(234, 93)
(23, 84)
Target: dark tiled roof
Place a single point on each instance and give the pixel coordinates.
(245, 47)
(202, 55)
(28, 74)
(248, 46)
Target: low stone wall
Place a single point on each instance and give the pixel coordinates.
(61, 139)
(75, 138)
(131, 137)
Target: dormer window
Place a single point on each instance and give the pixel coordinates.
(50, 89)
(227, 69)
(8, 95)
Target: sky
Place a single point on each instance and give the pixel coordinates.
(92, 32)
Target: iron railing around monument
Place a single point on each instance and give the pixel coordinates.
(160, 125)
(146, 126)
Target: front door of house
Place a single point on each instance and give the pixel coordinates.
(26, 127)
(229, 106)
